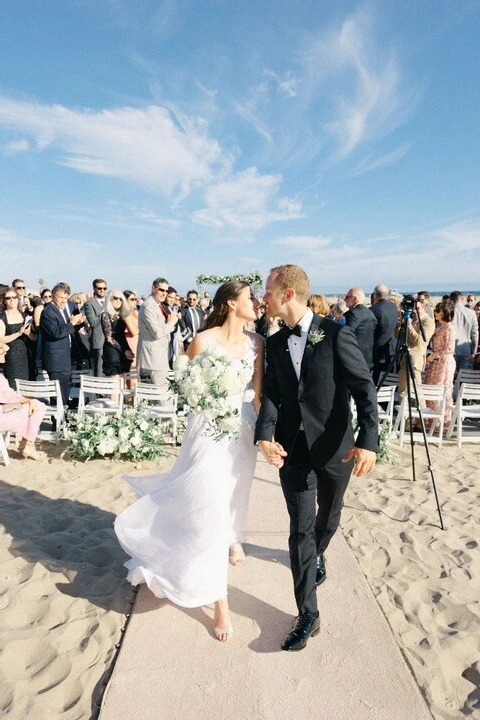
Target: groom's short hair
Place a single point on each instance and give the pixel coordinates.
(292, 276)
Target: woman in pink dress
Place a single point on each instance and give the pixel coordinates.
(440, 360)
(21, 415)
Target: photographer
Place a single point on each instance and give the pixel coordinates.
(414, 315)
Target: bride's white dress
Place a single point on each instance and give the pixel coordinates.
(178, 533)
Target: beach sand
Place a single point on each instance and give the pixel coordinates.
(64, 597)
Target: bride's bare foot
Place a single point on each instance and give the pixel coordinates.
(236, 555)
(222, 625)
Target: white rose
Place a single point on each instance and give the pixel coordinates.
(229, 424)
(248, 395)
(228, 380)
(136, 441)
(143, 425)
(180, 363)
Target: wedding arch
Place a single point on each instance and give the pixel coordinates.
(253, 278)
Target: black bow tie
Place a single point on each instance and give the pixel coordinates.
(297, 330)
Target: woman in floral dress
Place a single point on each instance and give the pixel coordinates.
(441, 361)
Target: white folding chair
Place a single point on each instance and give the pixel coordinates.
(390, 379)
(433, 417)
(468, 392)
(4, 440)
(386, 396)
(162, 404)
(75, 379)
(105, 395)
(465, 376)
(46, 391)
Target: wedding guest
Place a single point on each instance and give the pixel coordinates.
(93, 309)
(193, 317)
(476, 361)
(417, 345)
(440, 360)
(15, 328)
(24, 303)
(155, 327)
(319, 304)
(338, 312)
(131, 331)
(386, 314)
(423, 298)
(176, 334)
(57, 324)
(45, 297)
(22, 416)
(471, 300)
(361, 321)
(117, 356)
(466, 332)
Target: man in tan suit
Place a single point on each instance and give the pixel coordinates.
(155, 327)
(416, 344)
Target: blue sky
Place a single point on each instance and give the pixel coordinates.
(180, 138)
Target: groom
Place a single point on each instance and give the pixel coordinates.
(304, 428)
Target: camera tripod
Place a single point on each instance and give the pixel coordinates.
(403, 351)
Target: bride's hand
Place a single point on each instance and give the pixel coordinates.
(273, 452)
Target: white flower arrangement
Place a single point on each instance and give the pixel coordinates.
(211, 384)
(252, 278)
(136, 435)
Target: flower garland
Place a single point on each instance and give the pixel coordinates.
(135, 435)
(253, 278)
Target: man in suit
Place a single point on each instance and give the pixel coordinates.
(466, 332)
(93, 310)
(155, 327)
(361, 321)
(193, 318)
(386, 314)
(58, 321)
(304, 428)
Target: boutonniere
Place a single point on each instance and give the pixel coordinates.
(315, 336)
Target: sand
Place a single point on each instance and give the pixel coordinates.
(64, 597)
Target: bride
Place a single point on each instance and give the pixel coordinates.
(187, 522)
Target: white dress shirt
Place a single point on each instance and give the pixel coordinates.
(296, 345)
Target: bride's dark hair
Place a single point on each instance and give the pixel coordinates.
(228, 291)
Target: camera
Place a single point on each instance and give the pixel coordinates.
(409, 302)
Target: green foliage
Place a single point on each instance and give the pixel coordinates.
(136, 435)
(253, 278)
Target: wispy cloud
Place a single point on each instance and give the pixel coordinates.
(374, 99)
(16, 146)
(248, 201)
(374, 162)
(286, 85)
(165, 151)
(304, 242)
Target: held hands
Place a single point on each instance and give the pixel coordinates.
(273, 452)
(365, 460)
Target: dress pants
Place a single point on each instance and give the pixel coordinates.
(303, 486)
(96, 361)
(65, 382)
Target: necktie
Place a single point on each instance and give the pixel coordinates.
(65, 314)
(194, 321)
(297, 330)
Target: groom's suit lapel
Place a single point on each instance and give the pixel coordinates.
(309, 347)
(286, 357)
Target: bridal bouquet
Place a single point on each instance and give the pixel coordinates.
(211, 384)
(136, 435)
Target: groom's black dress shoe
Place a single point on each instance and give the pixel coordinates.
(321, 570)
(305, 626)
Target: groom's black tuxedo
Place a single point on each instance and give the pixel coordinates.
(310, 417)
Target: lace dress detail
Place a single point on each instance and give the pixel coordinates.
(178, 533)
(114, 360)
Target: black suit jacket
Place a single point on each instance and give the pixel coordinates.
(56, 333)
(386, 314)
(330, 370)
(362, 322)
(186, 323)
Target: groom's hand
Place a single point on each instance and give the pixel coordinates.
(273, 452)
(365, 460)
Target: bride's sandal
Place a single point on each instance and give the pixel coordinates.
(221, 632)
(236, 555)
